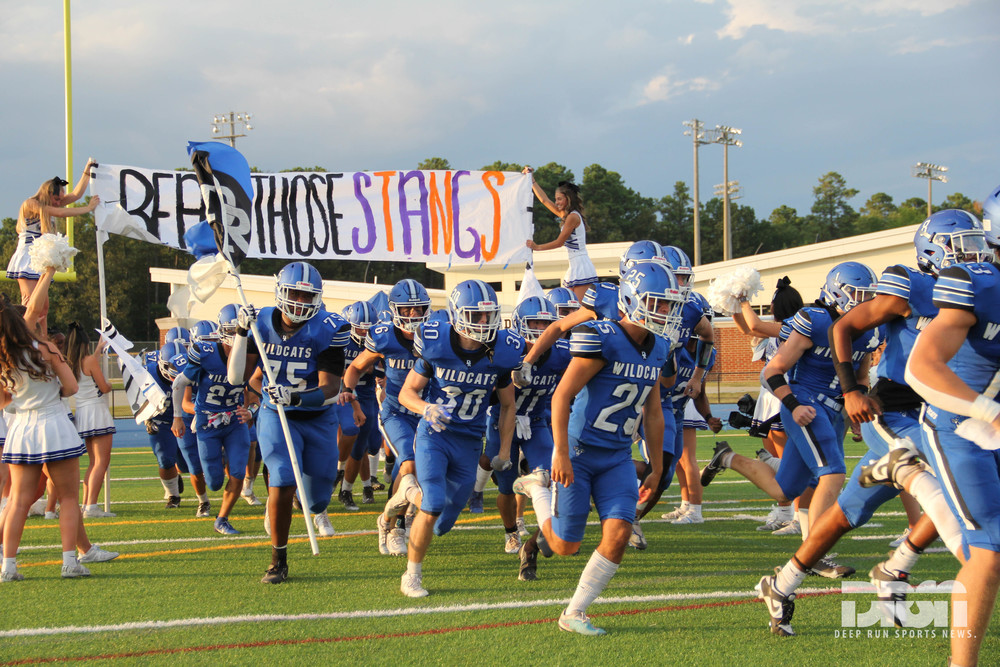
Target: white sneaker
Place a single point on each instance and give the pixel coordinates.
(396, 542)
(523, 484)
(383, 535)
(791, 528)
(251, 499)
(689, 518)
(323, 525)
(97, 555)
(899, 540)
(676, 514)
(637, 540)
(37, 508)
(97, 513)
(412, 586)
(522, 529)
(267, 523)
(777, 518)
(398, 500)
(51, 516)
(75, 570)
(513, 543)
(11, 575)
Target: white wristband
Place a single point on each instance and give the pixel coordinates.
(985, 409)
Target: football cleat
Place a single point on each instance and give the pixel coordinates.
(251, 499)
(276, 574)
(775, 519)
(887, 469)
(383, 535)
(779, 607)
(97, 555)
(637, 540)
(223, 527)
(396, 542)
(11, 575)
(715, 466)
(899, 540)
(675, 514)
(829, 568)
(528, 555)
(173, 502)
(398, 500)
(75, 570)
(412, 586)
(204, 510)
(891, 590)
(513, 543)
(791, 528)
(522, 529)
(367, 495)
(688, 518)
(579, 623)
(476, 502)
(523, 484)
(323, 525)
(347, 498)
(377, 485)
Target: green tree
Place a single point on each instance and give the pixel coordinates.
(959, 201)
(614, 211)
(433, 164)
(833, 216)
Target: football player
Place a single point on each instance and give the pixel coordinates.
(365, 439)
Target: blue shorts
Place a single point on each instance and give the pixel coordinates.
(219, 447)
(607, 476)
(164, 445)
(673, 444)
(857, 502)
(345, 416)
(812, 451)
(970, 479)
(369, 439)
(446, 469)
(399, 430)
(188, 460)
(315, 449)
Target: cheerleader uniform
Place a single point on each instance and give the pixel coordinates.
(92, 414)
(40, 431)
(581, 270)
(768, 406)
(20, 262)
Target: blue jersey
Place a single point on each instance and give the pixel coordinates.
(397, 356)
(814, 370)
(917, 288)
(365, 389)
(605, 412)
(691, 314)
(295, 358)
(535, 401)
(206, 368)
(976, 289)
(462, 380)
(602, 298)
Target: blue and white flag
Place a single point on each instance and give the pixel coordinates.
(227, 190)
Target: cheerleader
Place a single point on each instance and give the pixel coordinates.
(568, 207)
(93, 418)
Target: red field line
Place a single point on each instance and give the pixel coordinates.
(394, 635)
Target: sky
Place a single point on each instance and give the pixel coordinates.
(865, 88)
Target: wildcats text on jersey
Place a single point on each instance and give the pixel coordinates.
(635, 371)
(289, 351)
(463, 377)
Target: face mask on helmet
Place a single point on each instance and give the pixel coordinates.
(410, 305)
(361, 317)
(475, 311)
(849, 284)
(650, 297)
(680, 264)
(205, 331)
(641, 251)
(227, 323)
(298, 291)
(564, 300)
(532, 316)
(171, 359)
(950, 237)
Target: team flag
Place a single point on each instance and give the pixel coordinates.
(227, 190)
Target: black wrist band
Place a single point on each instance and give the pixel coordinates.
(858, 387)
(790, 402)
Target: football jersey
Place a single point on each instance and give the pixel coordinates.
(606, 411)
(691, 314)
(397, 356)
(602, 298)
(917, 288)
(365, 389)
(814, 370)
(206, 368)
(974, 288)
(535, 401)
(462, 380)
(154, 369)
(294, 359)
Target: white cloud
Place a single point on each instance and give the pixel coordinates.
(686, 40)
(666, 87)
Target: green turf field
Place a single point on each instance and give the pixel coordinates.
(182, 595)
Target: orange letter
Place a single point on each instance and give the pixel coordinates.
(386, 176)
(492, 252)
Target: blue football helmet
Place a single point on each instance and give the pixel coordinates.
(651, 298)
(440, 315)
(468, 302)
(848, 284)
(991, 218)
(641, 251)
(408, 293)
(227, 322)
(950, 237)
(680, 264)
(362, 317)
(303, 279)
(180, 334)
(172, 358)
(533, 309)
(564, 300)
(205, 331)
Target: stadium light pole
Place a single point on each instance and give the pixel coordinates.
(727, 136)
(236, 120)
(932, 172)
(697, 135)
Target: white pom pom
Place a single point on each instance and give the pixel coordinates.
(51, 250)
(724, 292)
